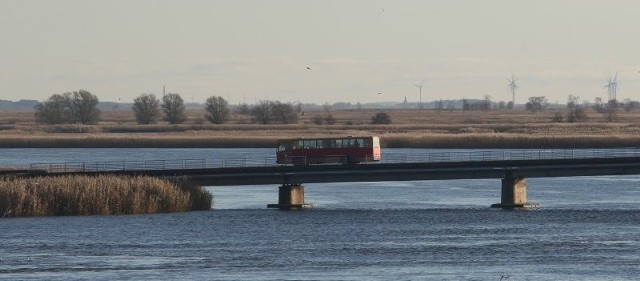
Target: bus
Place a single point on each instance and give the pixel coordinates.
(346, 150)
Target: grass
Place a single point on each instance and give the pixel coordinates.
(410, 128)
(101, 195)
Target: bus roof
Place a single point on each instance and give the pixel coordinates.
(327, 138)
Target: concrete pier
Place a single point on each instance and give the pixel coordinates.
(290, 197)
(514, 194)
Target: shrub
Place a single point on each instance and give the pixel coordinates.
(381, 118)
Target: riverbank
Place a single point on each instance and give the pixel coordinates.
(100, 195)
(388, 140)
(499, 129)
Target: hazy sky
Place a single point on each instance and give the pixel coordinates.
(250, 50)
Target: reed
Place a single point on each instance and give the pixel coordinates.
(514, 141)
(410, 128)
(100, 195)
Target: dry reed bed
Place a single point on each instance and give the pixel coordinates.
(101, 195)
(471, 139)
(514, 141)
(410, 128)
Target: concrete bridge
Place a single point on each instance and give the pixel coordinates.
(512, 172)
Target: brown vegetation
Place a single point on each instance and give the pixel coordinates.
(101, 195)
(410, 128)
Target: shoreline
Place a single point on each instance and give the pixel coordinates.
(444, 141)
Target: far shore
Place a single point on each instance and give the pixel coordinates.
(409, 128)
(441, 141)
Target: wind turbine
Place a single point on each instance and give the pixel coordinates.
(420, 90)
(513, 86)
(612, 87)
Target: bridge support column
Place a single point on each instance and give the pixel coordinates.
(514, 194)
(290, 197)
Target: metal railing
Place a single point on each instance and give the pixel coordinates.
(524, 154)
(433, 157)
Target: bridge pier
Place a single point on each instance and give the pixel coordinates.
(290, 197)
(514, 194)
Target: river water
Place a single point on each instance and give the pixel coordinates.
(587, 228)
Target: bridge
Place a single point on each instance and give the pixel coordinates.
(512, 167)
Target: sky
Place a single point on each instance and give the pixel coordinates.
(322, 51)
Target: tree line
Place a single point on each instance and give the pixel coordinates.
(81, 108)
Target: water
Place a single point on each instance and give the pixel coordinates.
(586, 229)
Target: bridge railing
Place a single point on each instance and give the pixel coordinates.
(432, 157)
(493, 155)
(168, 164)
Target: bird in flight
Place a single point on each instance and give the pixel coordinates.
(308, 68)
(379, 93)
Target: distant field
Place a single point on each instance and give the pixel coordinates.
(410, 128)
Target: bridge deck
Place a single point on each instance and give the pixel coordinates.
(393, 171)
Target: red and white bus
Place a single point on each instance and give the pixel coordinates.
(347, 150)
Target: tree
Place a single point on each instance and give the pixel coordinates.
(537, 104)
(53, 111)
(502, 105)
(284, 113)
(146, 108)
(575, 112)
(630, 105)
(262, 112)
(173, 107)
(70, 107)
(217, 110)
(510, 105)
(598, 106)
(486, 103)
(381, 118)
(610, 111)
(84, 107)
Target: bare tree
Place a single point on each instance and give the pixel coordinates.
(55, 110)
(537, 104)
(84, 107)
(510, 105)
(173, 107)
(217, 111)
(575, 112)
(146, 108)
(284, 113)
(610, 112)
(486, 103)
(71, 107)
(262, 112)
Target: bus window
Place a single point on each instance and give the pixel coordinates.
(284, 147)
(366, 142)
(337, 143)
(332, 143)
(309, 144)
(297, 144)
(326, 143)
